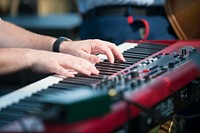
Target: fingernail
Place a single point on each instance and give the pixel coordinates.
(98, 60)
(124, 59)
(89, 73)
(97, 72)
(72, 76)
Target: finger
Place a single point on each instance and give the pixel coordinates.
(103, 49)
(90, 57)
(83, 70)
(89, 66)
(80, 65)
(94, 70)
(63, 72)
(115, 51)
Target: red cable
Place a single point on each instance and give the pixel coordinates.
(130, 20)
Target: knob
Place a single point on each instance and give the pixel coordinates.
(146, 78)
(171, 65)
(183, 51)
(186, 50)
(134, 74)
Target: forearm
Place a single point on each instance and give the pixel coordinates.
(13, 36)
(13, 59)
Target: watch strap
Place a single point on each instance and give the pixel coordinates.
(57, 43)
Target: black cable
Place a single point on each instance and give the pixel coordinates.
(189, 116)
(145, 110)
(157, 116)
(178, 127)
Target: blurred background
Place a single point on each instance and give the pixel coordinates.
(49, 17)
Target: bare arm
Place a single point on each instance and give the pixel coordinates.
(15, 59)
(13, 36)
(21, 49)
(12, 60)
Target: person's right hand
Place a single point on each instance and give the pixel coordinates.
(59, 63)
(88, 49)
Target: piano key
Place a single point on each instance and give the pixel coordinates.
(135, 56)
(86, 78)
(64, 86)
(23, 109)
(24, 102)
(108, 69)
(80, 80)
(141, 50)
(5, 122)
(74, 82)
(33, 100)
(27, 91)
(92, 76)
(127, 63)
(11, 114)
(112, 65)
(152, 46)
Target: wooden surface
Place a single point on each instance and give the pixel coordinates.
(184, 16)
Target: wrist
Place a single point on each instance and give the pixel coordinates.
(29, 57)
(57, 44)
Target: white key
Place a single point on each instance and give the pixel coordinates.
(28, 90)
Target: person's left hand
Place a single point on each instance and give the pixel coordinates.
(88, 48)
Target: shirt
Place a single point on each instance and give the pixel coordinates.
(85, 5)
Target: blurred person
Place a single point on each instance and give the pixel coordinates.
(121, 20)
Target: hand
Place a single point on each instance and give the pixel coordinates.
(88, 48)
(49, 62)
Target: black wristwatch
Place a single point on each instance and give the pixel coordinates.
(56, 44)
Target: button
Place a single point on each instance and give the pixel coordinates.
(176, 62)
(161, 66)
(152, 72)
(163, 70)
(127, 78)
(133, 84)
(194, 50)
(183, 51)
(132, 68)
(126, 71)
(153, 67)
(175, 55)
(146, 70)
(182, 58)
(159, 57)
(147, 78)
(134, 74)
(171, 65)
